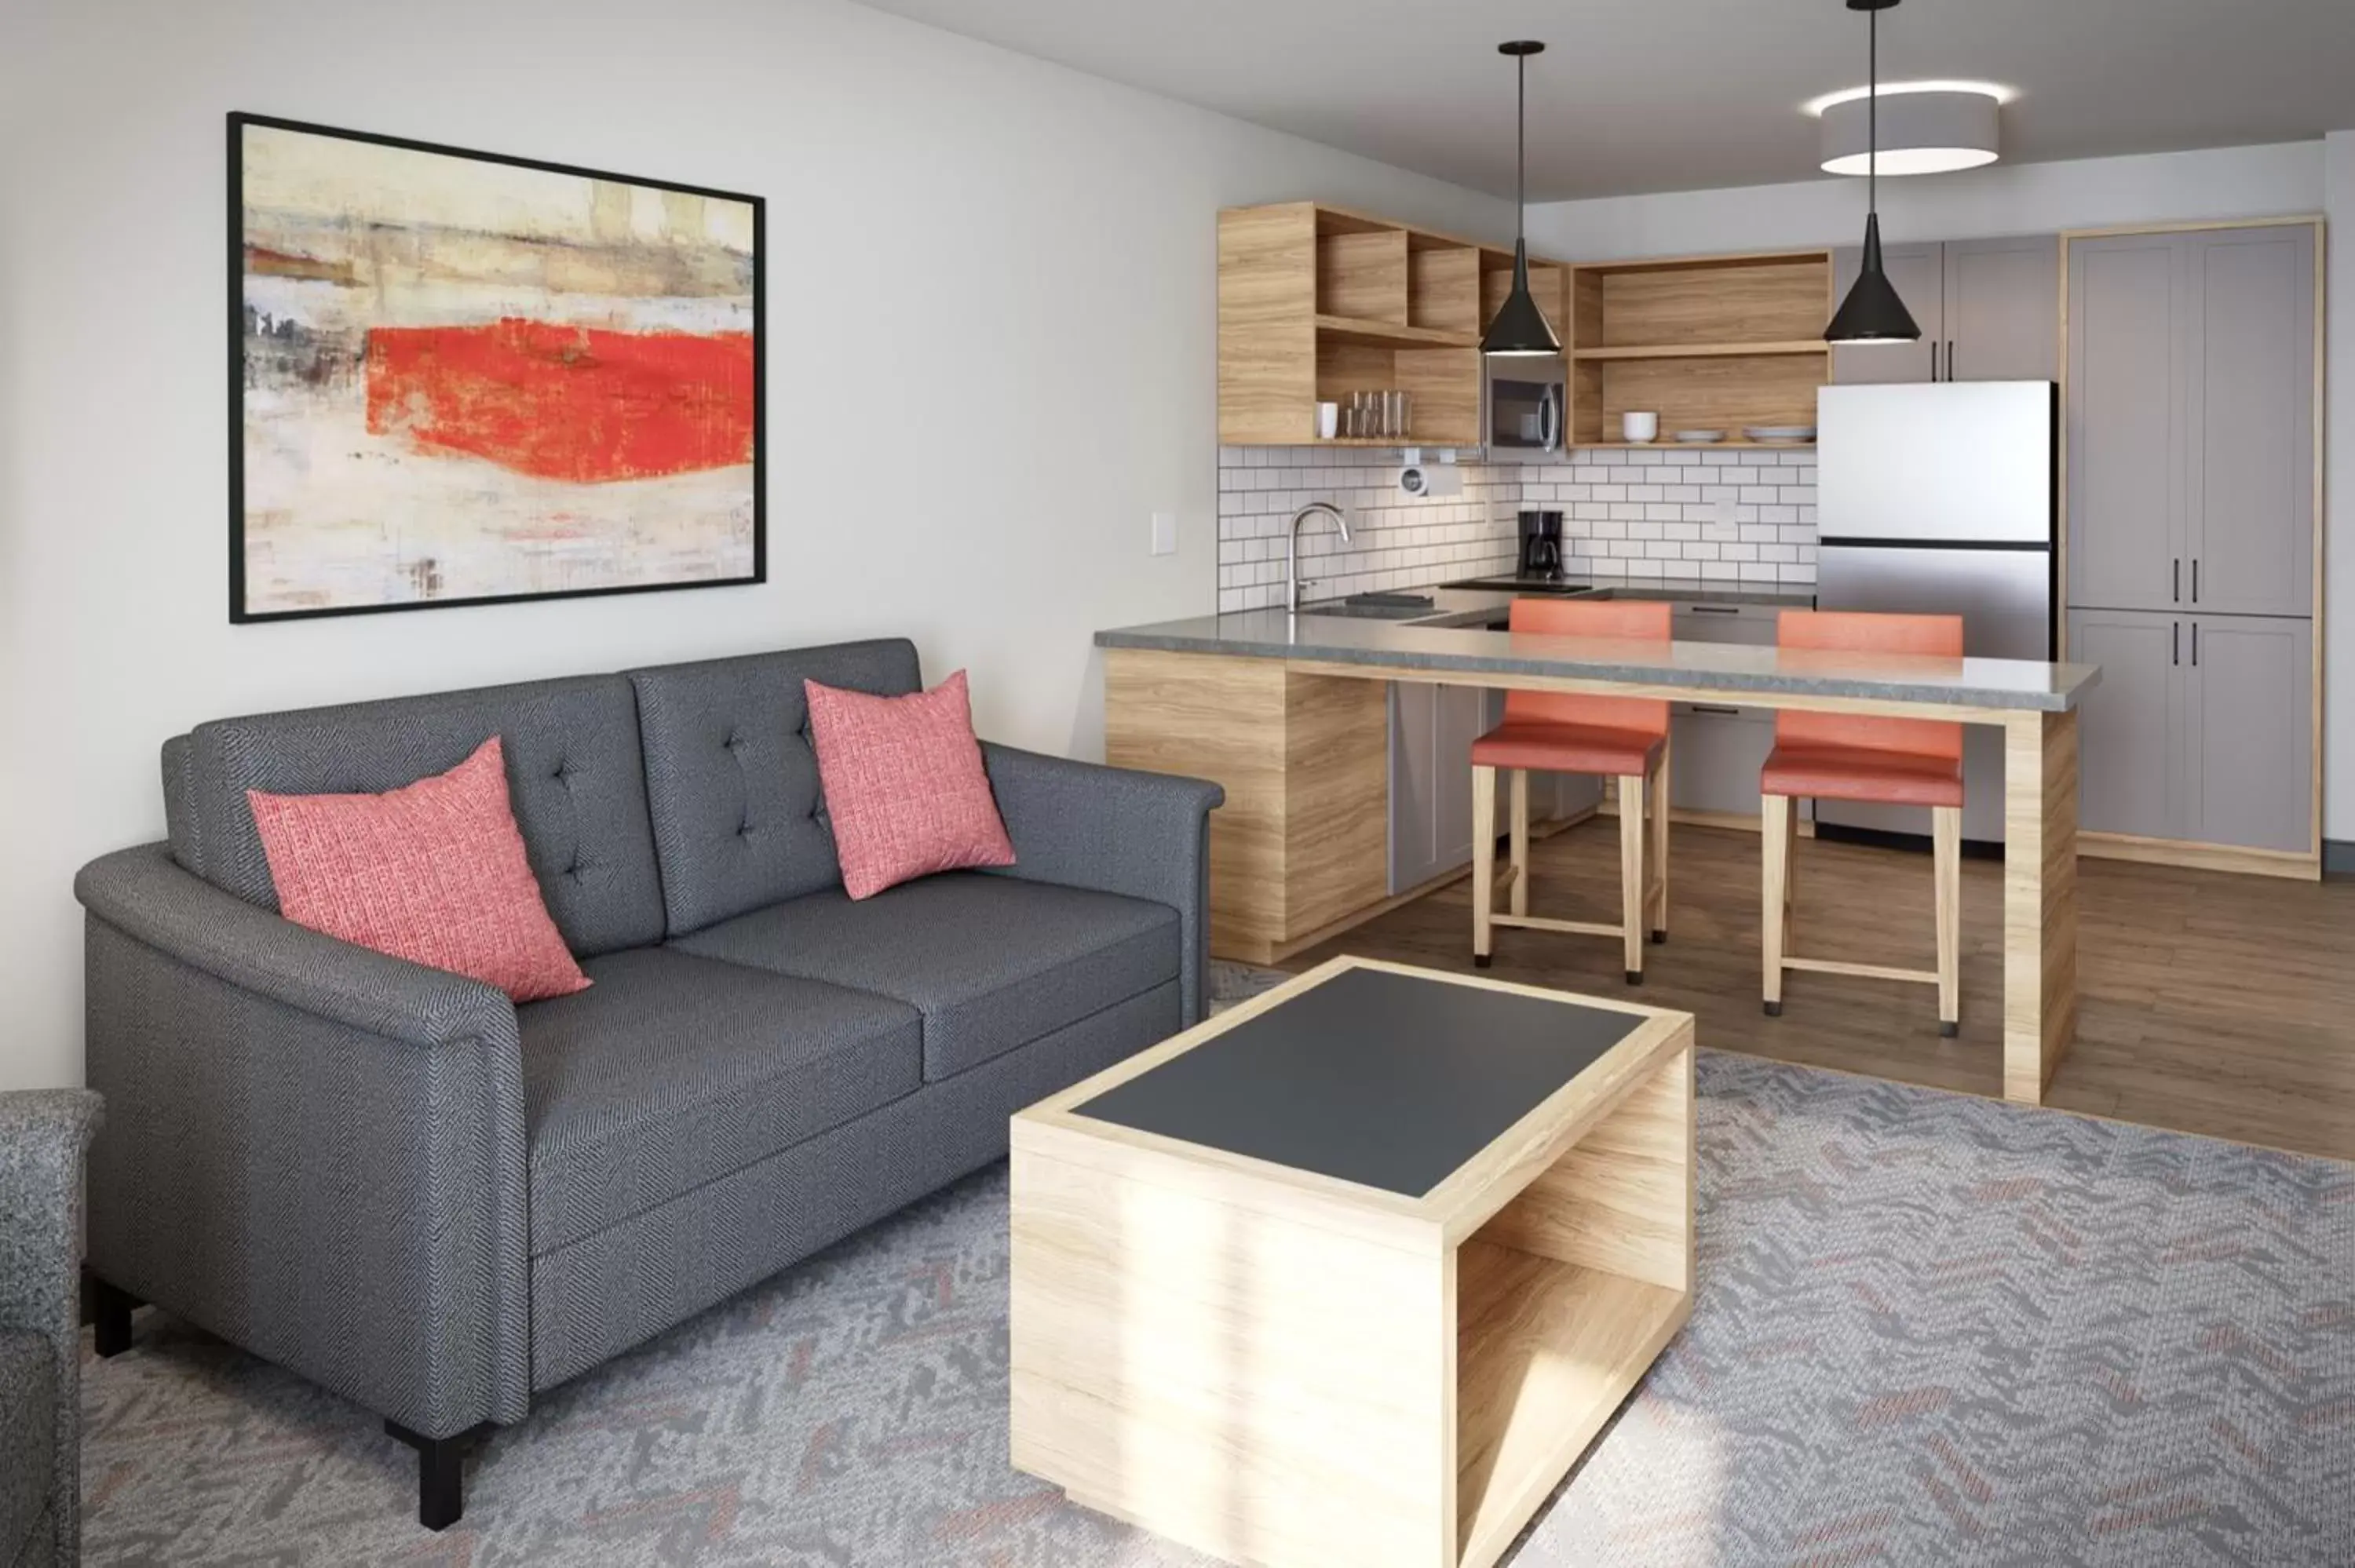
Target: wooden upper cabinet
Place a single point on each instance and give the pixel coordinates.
(1316, 302)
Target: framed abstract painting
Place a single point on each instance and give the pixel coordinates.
(459, 379)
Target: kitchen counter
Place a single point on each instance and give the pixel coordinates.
(1454, 639)
(1291, 714)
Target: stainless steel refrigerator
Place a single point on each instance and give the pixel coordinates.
(1941, 497)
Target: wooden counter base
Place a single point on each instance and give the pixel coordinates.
(1301, 845)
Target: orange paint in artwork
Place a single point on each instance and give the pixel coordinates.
(581, 404)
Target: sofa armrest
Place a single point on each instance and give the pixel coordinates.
(43, 1136)
(1115, 829)
(314, 1150)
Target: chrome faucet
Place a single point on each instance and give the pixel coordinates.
(1292, 583)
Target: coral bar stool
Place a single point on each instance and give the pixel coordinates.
(1890, 761)
(1626, 738)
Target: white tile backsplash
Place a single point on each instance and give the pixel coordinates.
(1737, 516)
(1396, 541)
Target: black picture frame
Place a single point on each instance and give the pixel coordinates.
(238, 614)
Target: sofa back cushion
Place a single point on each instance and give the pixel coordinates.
(575, 778)
(738, 817)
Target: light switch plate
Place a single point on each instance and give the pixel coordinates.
(1164, 533)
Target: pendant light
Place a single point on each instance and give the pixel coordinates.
(1873, 312)
(1519, 325)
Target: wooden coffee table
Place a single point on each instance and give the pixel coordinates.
(1352, 1274)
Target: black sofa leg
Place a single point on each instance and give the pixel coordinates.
(441, 1482)
(110, 1311)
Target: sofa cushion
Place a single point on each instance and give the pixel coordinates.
(992, 963)
(28, 1435)
(433, 872)
(739, 815)
(574, 777)
(672, 1070)
(905, 790)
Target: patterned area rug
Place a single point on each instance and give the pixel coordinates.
(1932, 1329)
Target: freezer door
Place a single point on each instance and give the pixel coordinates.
(2005, 598)
(1968, 460)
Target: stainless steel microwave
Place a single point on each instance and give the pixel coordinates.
(1523, 407)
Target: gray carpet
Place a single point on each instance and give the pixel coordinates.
(1932, 1329)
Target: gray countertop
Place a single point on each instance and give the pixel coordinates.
(1455, 637)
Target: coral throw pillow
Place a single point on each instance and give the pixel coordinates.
(904, 785)
(433, 872)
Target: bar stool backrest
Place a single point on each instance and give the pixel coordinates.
(1935, 636)
(1622, 620)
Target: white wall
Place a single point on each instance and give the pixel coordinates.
(1011, 261)
(2003, 199)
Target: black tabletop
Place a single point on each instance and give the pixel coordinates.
(1384, 1079)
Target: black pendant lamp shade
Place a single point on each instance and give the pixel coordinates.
(1873, 312)
(1519, 325)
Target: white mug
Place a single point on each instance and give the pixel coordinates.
(1637, 427)
(1328, 421)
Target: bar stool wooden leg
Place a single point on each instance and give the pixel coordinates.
(1775, 842)
(1519, 891)
(1631, 873)
(1790, 875)
(1656, 907)
(1484, 861)
(1946, 850)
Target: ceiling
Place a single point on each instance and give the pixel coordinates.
(1688, 94)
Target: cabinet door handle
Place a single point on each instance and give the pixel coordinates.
(1713, 708)
(2195, 598)
(2195, 645)
(1716, 609)
(1950, 359)
(1933, 359)
(2175, 642)
(2175, 581)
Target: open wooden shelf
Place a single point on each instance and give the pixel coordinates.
(1676, 446)
(1545, 1351)
(1385, 335)
(1702, 350)
(1317, 302)
(1708, 342)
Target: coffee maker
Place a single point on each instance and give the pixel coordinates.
(1540, 545)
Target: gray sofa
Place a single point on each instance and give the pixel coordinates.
(394, 1181)
(43, 1134)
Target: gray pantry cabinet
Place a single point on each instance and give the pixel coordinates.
(1989, 309)
(2202, 727)
(2190, 427)
(2190, 421)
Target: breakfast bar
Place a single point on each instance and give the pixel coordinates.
(1289, 713)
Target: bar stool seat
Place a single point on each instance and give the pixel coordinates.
(1554, 747)
(1862, 773)
(1624, 738)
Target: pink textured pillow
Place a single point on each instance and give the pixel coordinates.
(433, 872)
(904, 785)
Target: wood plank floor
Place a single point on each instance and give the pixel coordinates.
(2209, 1003)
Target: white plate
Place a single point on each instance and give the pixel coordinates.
(1699, 437)
(1780, 432)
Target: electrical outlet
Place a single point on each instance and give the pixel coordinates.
(1164, 533)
